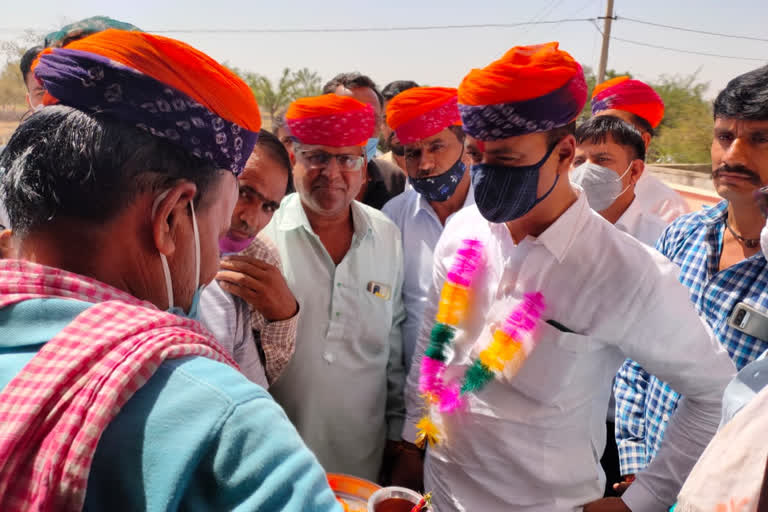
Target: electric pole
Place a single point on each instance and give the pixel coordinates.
(606, 39)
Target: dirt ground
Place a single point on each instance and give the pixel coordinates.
(6, 129)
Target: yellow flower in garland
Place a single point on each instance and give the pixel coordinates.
(428, 432)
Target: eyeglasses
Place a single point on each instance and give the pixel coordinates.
(320, 159)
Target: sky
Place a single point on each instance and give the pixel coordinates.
(431, 57)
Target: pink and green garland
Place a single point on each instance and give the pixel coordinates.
(506, 349)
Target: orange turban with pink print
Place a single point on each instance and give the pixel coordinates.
(331, 120)
(422, 112)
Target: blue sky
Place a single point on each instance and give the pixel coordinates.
(431, 57)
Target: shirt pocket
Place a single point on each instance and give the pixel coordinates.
(373, 322)
(563, 370)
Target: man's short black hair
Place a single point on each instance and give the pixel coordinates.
(64, 163)
(272, 145)
(644, 125)
(597, 129)
(392, 89)
(745, 97)
(27, 59)
(352, 80)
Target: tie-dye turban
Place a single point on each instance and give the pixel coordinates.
(422, 112)
(331, 120)
(623, 93)
(157, 84)
(530, 89)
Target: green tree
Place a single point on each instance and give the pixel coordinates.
(685, 133)
(307, 83)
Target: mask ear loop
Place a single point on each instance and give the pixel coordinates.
(197, 243)
(620, 178)
(163, 259)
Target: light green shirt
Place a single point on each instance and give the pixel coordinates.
(343, 390)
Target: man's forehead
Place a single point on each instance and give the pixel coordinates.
(607, 145)
(361, 94)
(748, 125)
(344, 150)
(441, 136)
(530, 142)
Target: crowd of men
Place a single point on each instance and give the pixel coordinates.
(200, 314)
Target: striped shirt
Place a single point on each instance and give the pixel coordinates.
(644, 404)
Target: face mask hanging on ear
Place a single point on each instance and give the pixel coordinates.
(370, 148)
(176, 310)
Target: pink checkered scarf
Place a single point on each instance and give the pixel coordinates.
(54, 411)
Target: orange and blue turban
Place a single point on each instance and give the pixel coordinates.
(331, 120)
(159, 85)
(623, 93)
(422, 112)
(530, 89)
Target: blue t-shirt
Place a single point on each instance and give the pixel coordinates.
(197, 436)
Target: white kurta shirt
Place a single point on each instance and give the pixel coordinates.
(421, 229)
(343, 389)
(642, 224)
(533, 442)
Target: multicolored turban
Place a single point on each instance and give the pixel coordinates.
(331, 120)
(83, 28)
(530, 89)
(623, 93)
(159, 85)
(422, 112)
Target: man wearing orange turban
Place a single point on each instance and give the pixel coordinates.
(527, 435)
(112, 395)
(343, 389)
(426, 122)
(638, 104)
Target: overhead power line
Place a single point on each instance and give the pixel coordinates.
(680, 50)
(362, 29)
(695, 31)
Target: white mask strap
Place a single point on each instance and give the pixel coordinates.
(163, 259)
(197, 244)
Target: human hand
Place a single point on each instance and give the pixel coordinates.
(259, 284)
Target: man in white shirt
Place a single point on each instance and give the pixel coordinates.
(343, 389)
(531, 441)
(426, 121)
(609, 162)
(638, 104)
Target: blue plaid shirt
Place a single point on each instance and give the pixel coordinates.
(644, 404)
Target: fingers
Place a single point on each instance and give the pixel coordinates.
(240, 279)
(245, 264)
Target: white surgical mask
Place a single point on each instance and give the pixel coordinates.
(764, 240)
(600, 184)
(193, 312)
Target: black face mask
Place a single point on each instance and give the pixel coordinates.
(441, 187)
(507, 193)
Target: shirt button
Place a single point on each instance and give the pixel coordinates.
(338, 285)
(665, 417)
(329, 357)
(338, 314)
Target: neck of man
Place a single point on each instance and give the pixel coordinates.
(745, 218)
(614, 212)
(545, 213)
(334, 230)
(445, 209)
(76, 248)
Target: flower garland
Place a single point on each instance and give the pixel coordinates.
(506, 349)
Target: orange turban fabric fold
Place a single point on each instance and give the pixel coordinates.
(422, 112)
(623, 93)
(530, 89)
(331, 120)
(157, 84)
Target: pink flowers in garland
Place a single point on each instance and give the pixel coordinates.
(506, 349)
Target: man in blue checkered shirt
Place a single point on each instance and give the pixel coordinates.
(720, 261)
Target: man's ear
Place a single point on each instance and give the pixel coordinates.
(6, 244)
(647, 139)
(292, 156)
(637, 170)
(168, 209)
(566, 151)
(26, 98)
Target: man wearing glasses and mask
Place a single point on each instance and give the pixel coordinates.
(426, 121)
(343, 390)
